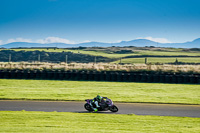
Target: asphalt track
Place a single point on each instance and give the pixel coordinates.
(124, 108)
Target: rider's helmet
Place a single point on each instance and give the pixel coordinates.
(98, 98)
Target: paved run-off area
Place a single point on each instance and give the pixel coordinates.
(124, 108)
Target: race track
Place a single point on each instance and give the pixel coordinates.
(124, 108)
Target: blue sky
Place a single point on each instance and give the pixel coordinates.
(75, 21)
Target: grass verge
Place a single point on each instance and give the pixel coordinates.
(23, 121)
(81, 90)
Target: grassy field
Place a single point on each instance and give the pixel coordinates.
(81, 90)
(23, 121)
(173, 53)
(160, 60)
(94, 53)
(168, 52)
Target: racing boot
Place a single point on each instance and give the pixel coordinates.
(95, 109)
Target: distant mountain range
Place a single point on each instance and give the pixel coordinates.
(137, 43)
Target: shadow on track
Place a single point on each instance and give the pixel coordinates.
(102, 112)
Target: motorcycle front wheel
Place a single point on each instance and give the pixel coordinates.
(88, 107)
(114, 108)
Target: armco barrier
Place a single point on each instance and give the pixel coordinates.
(100, 76)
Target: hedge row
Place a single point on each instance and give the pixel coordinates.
(100, 76)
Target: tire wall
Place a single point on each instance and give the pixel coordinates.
(101, 76)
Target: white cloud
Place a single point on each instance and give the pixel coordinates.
(18, 40)
(46, 40)
(1, 42)
(118, 41)
(86, 41)
(54, 40)
(160, 40)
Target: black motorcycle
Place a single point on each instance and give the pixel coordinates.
(105, 105)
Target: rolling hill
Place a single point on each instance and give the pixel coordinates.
(137, 43)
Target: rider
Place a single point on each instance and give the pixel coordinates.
(96, 101)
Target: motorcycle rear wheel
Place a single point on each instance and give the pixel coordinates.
(114, 108)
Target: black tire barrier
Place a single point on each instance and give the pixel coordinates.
(174, 79)
(65, 76)
(192, 79)
(150, 78)
(144, 78)
(1, 74)
(25, 74)
(186, 79)
(68, 75)
(180, 78)
(49, 75)
(44, 75)
(84, 76)
(156, 78)
(97, 76)
(100, 76)
(137, 78)
(90, 76)
(162, 79)
(168, 79)
(6, 74)
(19, 75)
(38, 74)
(72, 76)
(103, 76)
(125, 77)
(108, 77)
(78, 76)
(198, 79)
(119, 77)
(114, 76)
(131, 77)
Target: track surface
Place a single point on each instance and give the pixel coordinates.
(124, 108)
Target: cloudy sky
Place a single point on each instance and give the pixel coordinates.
(75, 21)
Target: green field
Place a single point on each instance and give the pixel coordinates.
(34, 122)
(160, 60)
(81, 90)
(167, 52)
(94, 53)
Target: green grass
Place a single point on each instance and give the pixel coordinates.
(160, 60)
(23, 121)
(174, 52)
(94, 53)
(81, 90)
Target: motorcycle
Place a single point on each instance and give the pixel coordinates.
(105, 105)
